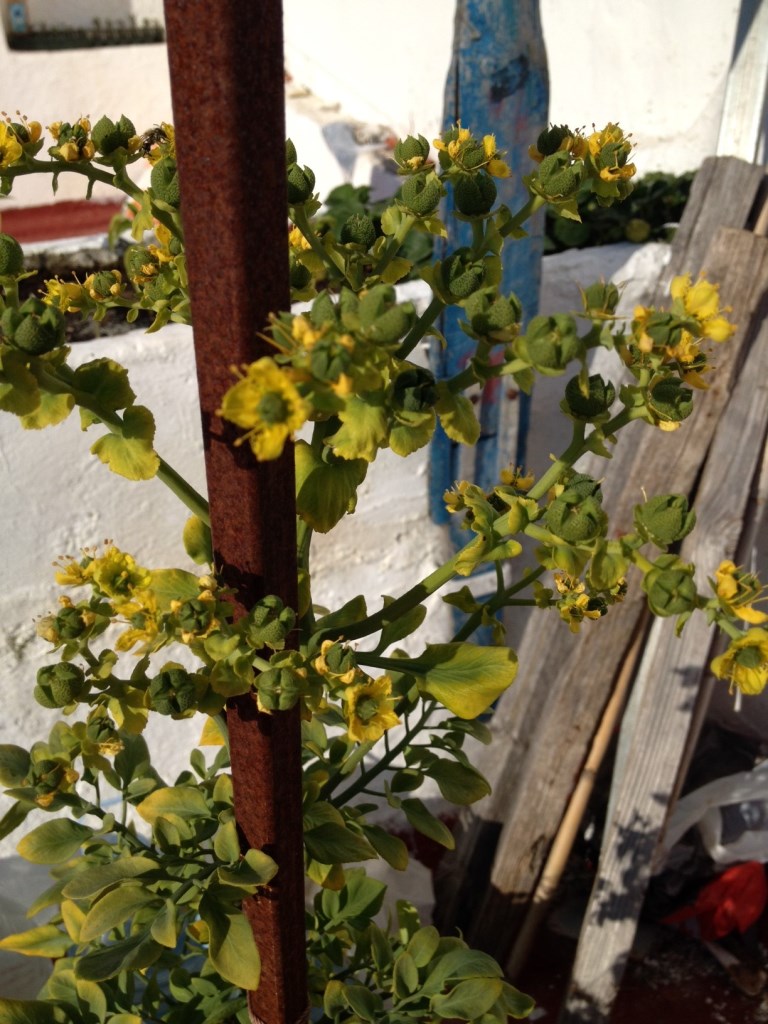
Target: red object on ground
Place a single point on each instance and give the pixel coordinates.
(734, 900)
(57, 220)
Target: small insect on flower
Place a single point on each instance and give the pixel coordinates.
(152, 138)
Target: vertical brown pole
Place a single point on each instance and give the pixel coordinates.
(226, 63)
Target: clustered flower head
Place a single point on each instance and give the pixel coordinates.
(459, 150)
(73, 141)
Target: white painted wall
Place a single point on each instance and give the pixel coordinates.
(656, 66)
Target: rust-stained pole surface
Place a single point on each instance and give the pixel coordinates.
(226, 63)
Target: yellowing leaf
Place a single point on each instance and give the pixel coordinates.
(211, 735)
(54, 841)
(396, 270)
(457, 416)
(46, 940)
(106, 384)
(463, 677)
(52, 409)
(197, 541)
(130, 454)
(363, 430)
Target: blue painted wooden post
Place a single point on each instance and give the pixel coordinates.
(497, 84)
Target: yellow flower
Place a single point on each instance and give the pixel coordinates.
(303, 333)
(745, 663)
(117, 575)
(497, 168)
(369, 709)
(701, 301)
(267, 405)
(737, 591)
(297, 241)
(10, 148)
(517, 478)
(65, 295)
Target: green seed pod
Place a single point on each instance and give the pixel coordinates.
(140, 264)
(11, 256)
(301, 184)
(600, 299)
(577, 515)
(165, 181)
(411, 154)
(665, 519)
(40, 329)
(299, 275)
(358, 229)
(669, 401)
(551, 342)
(608, 566)
(173, 692)
(269, 623)
(549, 140)
(69, 624)
(559, 179)
(108, 136)
(415, 390)
(462, 275)
(488, 312)
(670, 587)
(290, 153)
(596, 403)
(196, 616)
(421, 193)
(61, 684)
(474, 194)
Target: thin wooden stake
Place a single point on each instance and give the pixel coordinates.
(574, 815)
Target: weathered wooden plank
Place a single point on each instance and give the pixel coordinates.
(742, 123)
(667, 685)
(544, 724)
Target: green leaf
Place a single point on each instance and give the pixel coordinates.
(326, 487)
(353, 611)
(173, 585)
(398, 268)
(464, 677)
(363, 429)
(405, 975)
(106, 384)
(184, 802)
(54, 841)
(131, 954)
(113, 908)
(335, 844)
(457, 416)
(52, 409)
(131, 454)
(389, 847)
(516, 1004)
(365, 1003)
(426, 823)
(469, 1000)
(197, 541)
(92, 880)
(164, 927)
(423, 945)
(46, 940)
(459, 963)
(27, 1011)
(458, 783)
(407, 437)
(14, 764)
(401, 627)
(232, 949)
(14, 816)
(256, 869)
(226, 843)
(19, 393)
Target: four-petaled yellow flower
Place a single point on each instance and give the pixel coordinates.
(369, 709)
(267, 405)
(745, 663)
(65, 295)
(10, 148)
(517, 478)
(737, 591)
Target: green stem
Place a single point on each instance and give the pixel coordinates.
(573, 452)
(301, 220)
(394, 244)
(57, 383)
(501, 600)
(518, 219)
(420, 328)
(384, 762)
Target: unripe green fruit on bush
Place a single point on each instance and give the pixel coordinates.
(11, 256)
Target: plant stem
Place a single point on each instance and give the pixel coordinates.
(518, 219)
(573, 452)
(394, 244)
(500, 600)
(60, 383)
(420, 328)
(301, 220)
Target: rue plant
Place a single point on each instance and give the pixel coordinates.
(144, 910)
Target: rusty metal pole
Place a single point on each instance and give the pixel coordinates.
(226, 64)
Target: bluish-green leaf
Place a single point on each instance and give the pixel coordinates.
(54, 841)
